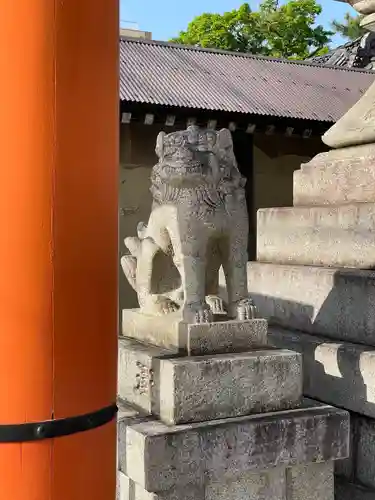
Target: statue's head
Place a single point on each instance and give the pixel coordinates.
(187, 158)
(194, 158)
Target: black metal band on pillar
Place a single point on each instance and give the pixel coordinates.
(49, 429)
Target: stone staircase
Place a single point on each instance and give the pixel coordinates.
(314, 283)
(220, 415)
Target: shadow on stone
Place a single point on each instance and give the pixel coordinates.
(335, 371)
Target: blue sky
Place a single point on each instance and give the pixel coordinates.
(165, 18)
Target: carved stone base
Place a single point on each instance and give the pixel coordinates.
(183, 389)
(170, 332)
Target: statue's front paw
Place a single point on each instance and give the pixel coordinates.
(159, 305)
(216, 304)
(245, 309)
(197, 313)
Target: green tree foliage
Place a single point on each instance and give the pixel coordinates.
(286, 30)
(350, 28)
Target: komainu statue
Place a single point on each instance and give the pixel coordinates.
(198, 223)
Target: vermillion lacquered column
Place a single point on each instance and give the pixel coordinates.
(58, 242)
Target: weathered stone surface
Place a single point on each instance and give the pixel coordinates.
(129, 490)
(170, 332)
(123, 487)
(266, 485)
(226, 336)
(368, 22)
(137, 370)
(337, 303)
(186, 389)
(165, 331)
(197, 224)
(310, 482)
(194, 389)
(159, 457)
(320, 236)
(365, 453)
(346, 468)
(127, 415)
(345, 490)
(364, 6)
(341, 374)
(357, 125)
(337, 177)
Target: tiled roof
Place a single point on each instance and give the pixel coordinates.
(172, 75)
(359, 53)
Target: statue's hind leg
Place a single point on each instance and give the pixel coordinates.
(240, 305)
(150, 302)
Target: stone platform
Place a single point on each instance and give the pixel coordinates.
(228, 422)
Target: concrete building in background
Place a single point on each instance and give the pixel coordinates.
(135, 33)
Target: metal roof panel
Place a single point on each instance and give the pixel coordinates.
(172, 75)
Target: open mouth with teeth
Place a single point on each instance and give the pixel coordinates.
(183, 170)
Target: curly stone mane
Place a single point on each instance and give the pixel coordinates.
(216, 176)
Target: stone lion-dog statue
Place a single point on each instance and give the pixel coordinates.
(198, 223)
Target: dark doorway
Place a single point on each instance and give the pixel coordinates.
(243, 150)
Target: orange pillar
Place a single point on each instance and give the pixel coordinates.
(58, 242)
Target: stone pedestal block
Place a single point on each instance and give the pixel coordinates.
(170, 332)
(337, 303)
(337, 177)
(212, 387)
(189, 389)
(311, 482)
(159, 457)
(339, 236)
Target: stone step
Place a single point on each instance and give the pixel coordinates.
(340, 236)
(160, 457)
(192, 389)
(338, 303)
(308, 482)
(339, 373)
(337, 177)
